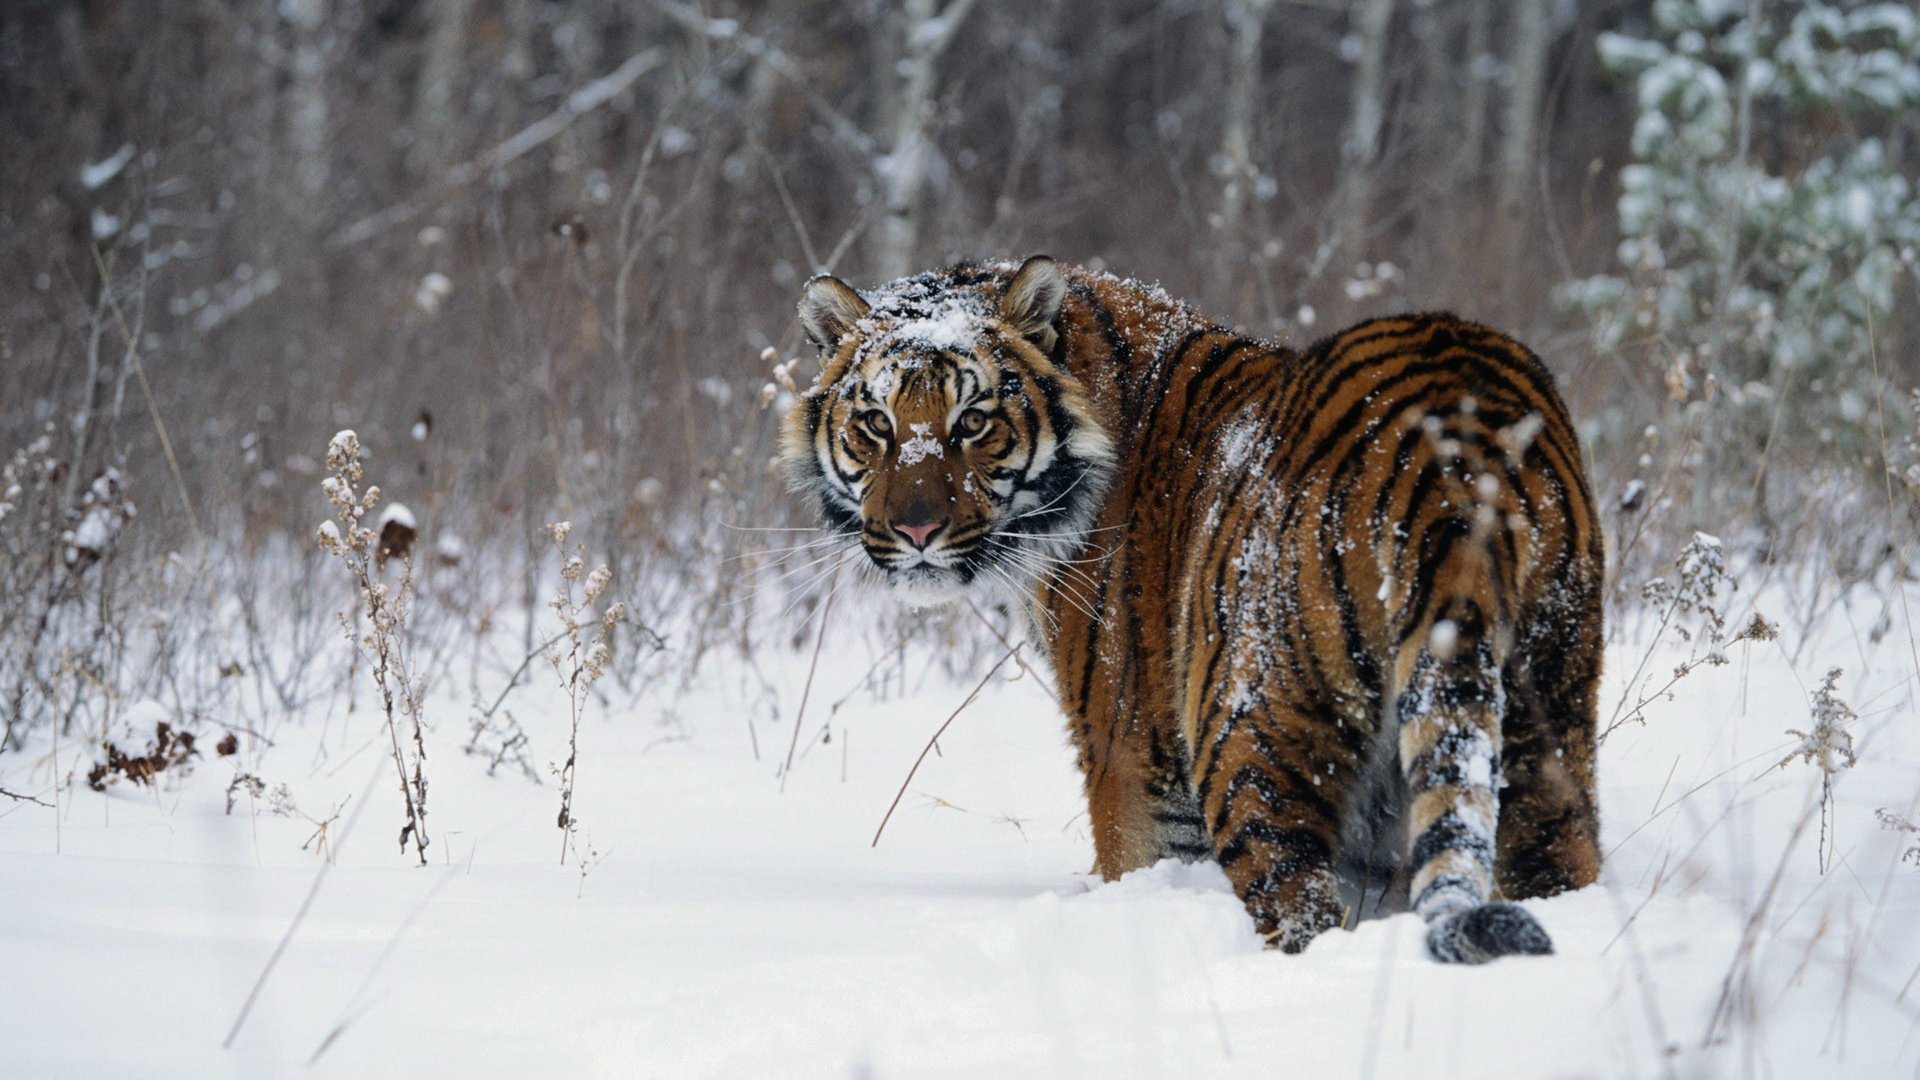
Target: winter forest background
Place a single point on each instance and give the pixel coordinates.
(542, 258)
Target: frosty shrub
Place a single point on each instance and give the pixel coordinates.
(1910, 833)
(383, 643)
(1769, 220)
(1829, 745)
(579, 654)
(61, 632)
(171, 750)
(1692, 608)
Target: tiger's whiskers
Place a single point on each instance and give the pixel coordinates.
(815, 543)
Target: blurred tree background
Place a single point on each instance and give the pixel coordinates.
(536, 251)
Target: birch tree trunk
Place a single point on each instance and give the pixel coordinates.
(307, 94)
(1246, 25)
(1369, 98)
(924, 30)
(1520, 137)
(1361, 148)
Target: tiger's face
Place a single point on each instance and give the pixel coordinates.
(943, 435)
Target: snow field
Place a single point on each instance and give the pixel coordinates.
(730, 929)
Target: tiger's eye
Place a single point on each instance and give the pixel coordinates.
(877, 422)
(972, 422)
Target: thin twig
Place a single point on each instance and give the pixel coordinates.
(1021, 663)
(1886, 479)
(819, 637)
(514, 679)
(17, 797)
(153, 410)
(1739, 974)
(936, 738)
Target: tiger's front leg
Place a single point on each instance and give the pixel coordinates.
(1273, 788)
(1138, 799)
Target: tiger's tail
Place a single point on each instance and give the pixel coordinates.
(1454, 631)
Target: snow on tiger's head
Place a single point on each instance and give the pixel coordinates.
(943, 432)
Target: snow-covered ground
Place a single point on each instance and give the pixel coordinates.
(733, 929)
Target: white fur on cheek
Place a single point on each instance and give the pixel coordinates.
(1089, 443)
(1044, 451)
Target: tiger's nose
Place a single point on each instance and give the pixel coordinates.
(917, 524)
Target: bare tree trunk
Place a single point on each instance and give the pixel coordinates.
(1519, 145)
(900, 172)
(434, 123)
(1362, 146)
(307, 94)
(1034, 95)
(1439, 75)
(1519, 140)
(1473, 105)
(1246, 25)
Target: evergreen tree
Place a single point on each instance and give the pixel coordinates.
(1770, 214)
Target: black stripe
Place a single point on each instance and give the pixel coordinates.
(1449, 881)
(1304, 847)
(1451, 833)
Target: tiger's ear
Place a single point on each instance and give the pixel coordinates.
(828, 309)
(1033, 301)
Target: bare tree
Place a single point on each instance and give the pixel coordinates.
(918, 35)
(1362, 147)
(435, 122)
(307, 98)
(1246, 25)
(605, 209)
(1519, 137)
(1478, 63)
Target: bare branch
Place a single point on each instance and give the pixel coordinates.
(17, 797)
(525, 141)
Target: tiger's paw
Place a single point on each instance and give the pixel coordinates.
(1312, 909)
(1293, 936)
(1478, 934)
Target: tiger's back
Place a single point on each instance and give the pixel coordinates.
(1292, 534)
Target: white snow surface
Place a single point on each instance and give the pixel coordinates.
(732, 929)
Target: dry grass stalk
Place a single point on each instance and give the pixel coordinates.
(941, 730)
(383, 644)
(579, 653)
(1828, 745)
(1888, 820)
(806, 692)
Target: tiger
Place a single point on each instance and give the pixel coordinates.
(1328, 617)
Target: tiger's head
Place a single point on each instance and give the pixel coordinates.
(945, 430)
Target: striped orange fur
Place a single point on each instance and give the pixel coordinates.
(1328, 616)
